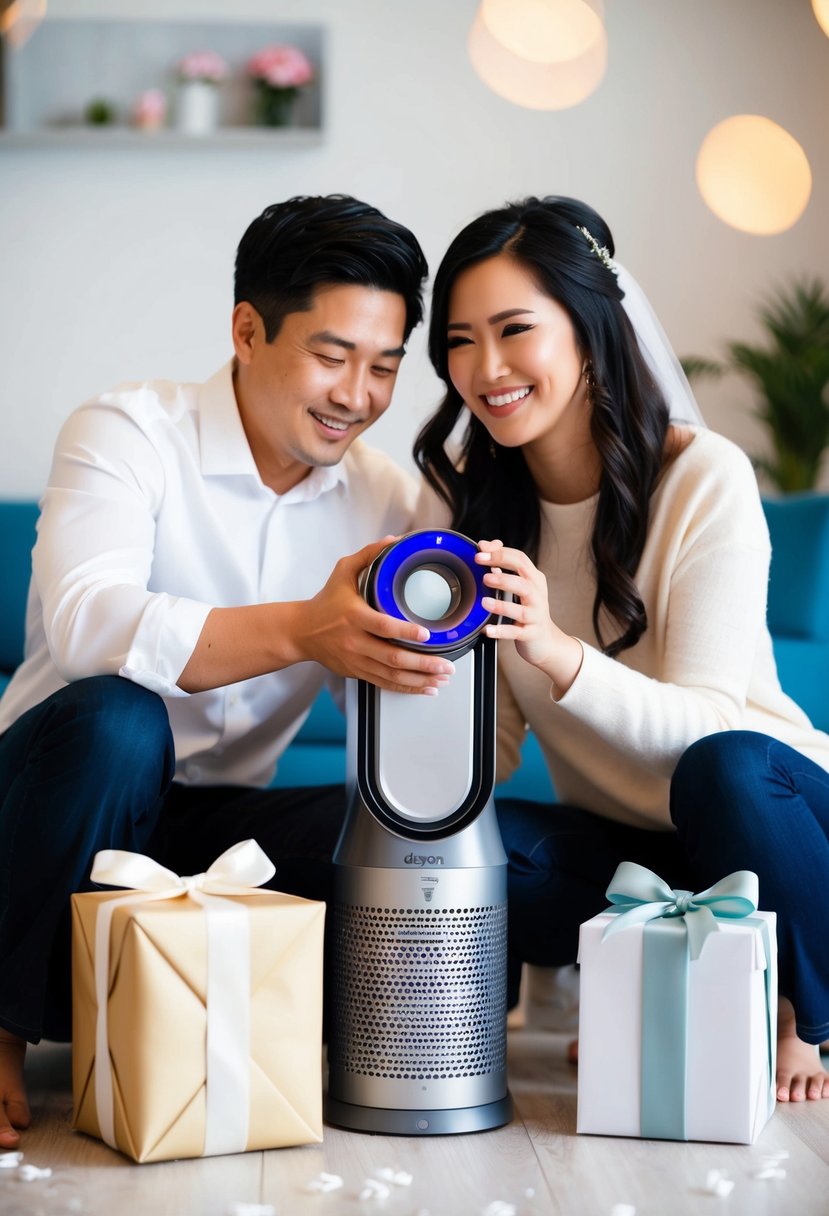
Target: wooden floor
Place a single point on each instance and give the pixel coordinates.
(537, 1164)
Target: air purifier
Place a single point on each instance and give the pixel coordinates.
(418, 934)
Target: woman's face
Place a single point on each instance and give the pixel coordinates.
(513, 356)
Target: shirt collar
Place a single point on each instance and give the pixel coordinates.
(225, 448)
(224, 444)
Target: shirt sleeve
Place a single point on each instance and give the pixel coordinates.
(93, 558)
(717, 553)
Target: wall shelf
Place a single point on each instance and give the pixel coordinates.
(67, 63)
(119, 138)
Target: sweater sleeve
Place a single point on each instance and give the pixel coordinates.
(706, 593)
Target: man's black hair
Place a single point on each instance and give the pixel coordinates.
(296, 247)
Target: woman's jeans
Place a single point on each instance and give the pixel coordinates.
(739, 801)
(92, 768)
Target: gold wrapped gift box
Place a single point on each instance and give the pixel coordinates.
(157, 1022)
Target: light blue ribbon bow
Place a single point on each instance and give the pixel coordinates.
(639, 895)
(677, 925)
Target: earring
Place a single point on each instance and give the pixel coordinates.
(590, 381)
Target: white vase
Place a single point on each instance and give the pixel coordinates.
(197, 112)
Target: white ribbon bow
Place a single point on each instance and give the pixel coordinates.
(238, 871)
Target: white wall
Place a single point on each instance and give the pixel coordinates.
(118, 264)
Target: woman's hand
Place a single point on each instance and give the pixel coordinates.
(527, 620)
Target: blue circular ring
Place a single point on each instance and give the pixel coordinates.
(432, 542)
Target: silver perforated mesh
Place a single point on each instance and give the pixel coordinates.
(420, 993)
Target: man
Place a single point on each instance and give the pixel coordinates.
(189, 592)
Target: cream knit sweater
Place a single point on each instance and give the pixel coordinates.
(704, 664)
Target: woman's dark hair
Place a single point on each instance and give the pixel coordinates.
(294, 248)
(490, 490)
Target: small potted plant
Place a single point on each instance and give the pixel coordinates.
(99, 112)
(791, 375)
(199, 75)
(278, 73)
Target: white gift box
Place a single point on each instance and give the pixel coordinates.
(731, 1032)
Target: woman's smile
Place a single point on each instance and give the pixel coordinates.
(502, 401)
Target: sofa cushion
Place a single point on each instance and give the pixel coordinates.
(799, 585)
(532, 779)
(18, 527)
(803, 668)
(325, 723)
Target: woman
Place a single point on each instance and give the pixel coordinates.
(634, 544)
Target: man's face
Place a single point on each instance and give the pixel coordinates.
(327, 375)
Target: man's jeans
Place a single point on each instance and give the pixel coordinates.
(91, 768)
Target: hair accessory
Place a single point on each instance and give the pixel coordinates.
(601, 251)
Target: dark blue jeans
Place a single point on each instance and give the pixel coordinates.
(739, 801)
(92, 768)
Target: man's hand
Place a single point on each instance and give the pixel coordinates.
(336, 628)
(340, 630)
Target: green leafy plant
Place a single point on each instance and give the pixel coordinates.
(100, 112)
(791, 375)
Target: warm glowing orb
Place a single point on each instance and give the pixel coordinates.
(538, 86)
(543, 31)
(821, 8)
(753, 174)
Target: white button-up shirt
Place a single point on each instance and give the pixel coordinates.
(154, 514)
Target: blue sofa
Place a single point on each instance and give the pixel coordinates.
(798, 618)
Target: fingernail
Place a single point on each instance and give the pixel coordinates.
(448, 669)
(430, 692)
(483, 557)
(441, 680)
(423, 635)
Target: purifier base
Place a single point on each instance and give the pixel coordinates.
(418, 1122)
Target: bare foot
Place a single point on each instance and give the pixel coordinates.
(14, 1109)
(799, 1071)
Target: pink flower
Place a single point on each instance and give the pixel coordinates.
(150, 110)
(203, 65)
(281, 67)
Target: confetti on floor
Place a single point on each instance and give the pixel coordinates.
(396, 1177)
(499, 1207)
(251, 1209)
(770, 1167)
(717, 1182)
(374, 1189)
(33, 1173)
(10, 1161)
(769, 1171)
(324, 1182)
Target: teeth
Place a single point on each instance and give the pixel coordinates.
(506, 398)
(334, 423)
